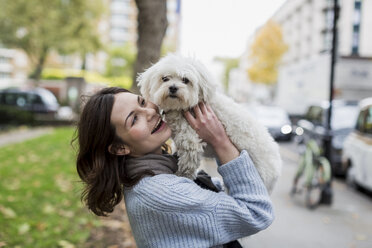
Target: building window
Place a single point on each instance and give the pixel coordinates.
(5, 75)
(4, 60)
(356, 27)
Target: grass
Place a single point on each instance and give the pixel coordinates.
(40, 194)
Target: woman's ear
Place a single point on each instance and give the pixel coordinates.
(118, 150)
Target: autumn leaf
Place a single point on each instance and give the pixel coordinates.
(65, 244)
(266, 52)
(24, 228)
(7, 212)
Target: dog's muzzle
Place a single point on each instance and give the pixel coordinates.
(173, 91)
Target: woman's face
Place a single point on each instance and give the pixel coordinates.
(138, 123)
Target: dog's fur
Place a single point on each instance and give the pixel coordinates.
(177, 84)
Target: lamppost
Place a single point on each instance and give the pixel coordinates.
(327, 192)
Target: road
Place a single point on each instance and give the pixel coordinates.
(347, 223)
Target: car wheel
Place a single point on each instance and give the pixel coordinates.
(350, 177)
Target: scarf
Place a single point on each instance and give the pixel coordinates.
(158, 164)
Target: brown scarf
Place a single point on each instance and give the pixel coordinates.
(158, 164)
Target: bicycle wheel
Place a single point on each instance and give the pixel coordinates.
(320, 177)
(313, 193)
(298, 180)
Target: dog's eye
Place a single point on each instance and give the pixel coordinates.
(165, 79)
(185, 80)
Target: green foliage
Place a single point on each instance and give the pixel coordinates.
(40, 194)
(229, 64)
(121, 61)
(67, 26)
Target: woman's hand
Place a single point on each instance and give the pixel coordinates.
(210, 129)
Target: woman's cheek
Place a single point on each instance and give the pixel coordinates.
(139, 133)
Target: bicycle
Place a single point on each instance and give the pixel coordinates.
(312, 176)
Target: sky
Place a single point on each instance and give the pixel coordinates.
(211, 28)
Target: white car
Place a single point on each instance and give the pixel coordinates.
(357, 153)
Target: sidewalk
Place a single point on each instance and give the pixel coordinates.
(22, 134)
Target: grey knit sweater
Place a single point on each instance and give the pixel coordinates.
(170, 211)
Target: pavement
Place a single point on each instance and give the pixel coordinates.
(347, 223)
(22, 134)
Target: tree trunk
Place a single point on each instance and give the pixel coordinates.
(36, 74)
(152, 24)
(84, 62)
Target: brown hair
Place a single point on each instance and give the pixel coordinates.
(103, 173)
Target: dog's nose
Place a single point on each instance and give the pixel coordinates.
(173, 89)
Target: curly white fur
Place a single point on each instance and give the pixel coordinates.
(177, 83)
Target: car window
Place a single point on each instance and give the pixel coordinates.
(368, 121)
(360, 121)
(344, 117)
(48, 97)
(10, 99)
(35, 99)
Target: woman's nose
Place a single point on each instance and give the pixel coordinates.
(150, 113)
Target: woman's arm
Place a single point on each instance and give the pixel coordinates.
(210, 129)
(196, 217)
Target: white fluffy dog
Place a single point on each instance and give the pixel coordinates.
(177, 83)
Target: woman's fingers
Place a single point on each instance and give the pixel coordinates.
(190, 118)
(197, 111)
(203, 108)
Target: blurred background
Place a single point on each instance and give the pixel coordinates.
(303, 68)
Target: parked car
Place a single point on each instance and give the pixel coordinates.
(357, 153)
(275, 119)
(344, 115)
(27, 104)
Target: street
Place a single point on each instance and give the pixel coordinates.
(347, 223)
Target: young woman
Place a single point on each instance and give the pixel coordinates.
(121, 141)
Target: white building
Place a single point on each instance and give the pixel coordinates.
(304, 75)
(13, 67)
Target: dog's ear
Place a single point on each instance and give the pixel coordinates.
(206, 84)
(143, 82)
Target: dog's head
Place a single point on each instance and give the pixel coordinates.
(176, 83)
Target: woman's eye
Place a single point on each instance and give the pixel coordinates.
(185, 80)
(165, 79)
(134, 120)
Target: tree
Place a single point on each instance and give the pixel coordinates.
(229, 64)
(266, 52)
(121, 60)
(38, 27)
(152, 24)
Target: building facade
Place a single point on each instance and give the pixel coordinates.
(304, 73)
(304, 76)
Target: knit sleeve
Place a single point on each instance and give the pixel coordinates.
(176, 207)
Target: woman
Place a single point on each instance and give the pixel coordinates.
(121, 139)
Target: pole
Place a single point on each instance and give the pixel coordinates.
(327, 193)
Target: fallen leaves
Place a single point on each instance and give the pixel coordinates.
(62, 183)
(65, 244)
(24, 228)
(7, 212)
(48, 209)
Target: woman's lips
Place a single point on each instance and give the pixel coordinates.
(162, 126)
